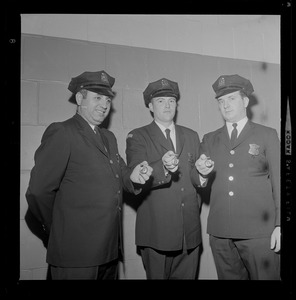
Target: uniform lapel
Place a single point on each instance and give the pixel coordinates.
(157, 136)
(224, 137)
(105, 141)
(180, 139)
(86, 131)
(245, 133)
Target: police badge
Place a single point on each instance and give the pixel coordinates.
(254, 149)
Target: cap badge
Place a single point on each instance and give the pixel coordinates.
(104, 77)
(164, 82)
(221, 82)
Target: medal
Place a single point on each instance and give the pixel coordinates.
(208, 163)
(175, 161)
(143, 169)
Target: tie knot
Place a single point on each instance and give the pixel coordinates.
(234, 125)
(167, 131)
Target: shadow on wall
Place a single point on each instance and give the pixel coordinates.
(252, 102)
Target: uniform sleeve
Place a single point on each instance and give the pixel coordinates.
(136, 152)
(273, 158)
(128, 185)
(125, 171)
(194, 175)
(50, 164)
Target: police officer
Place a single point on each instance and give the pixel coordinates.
(168, 231)
(244, 216)
(75, 189)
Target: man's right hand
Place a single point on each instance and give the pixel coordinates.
(170, 161)
(204, 165)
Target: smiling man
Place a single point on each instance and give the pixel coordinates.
(168, 230)
(244, 216)
(75, 189)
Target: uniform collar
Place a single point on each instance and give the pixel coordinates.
(91, 125)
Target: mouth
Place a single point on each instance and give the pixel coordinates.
(100, 112)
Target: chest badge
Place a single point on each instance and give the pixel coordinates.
(254, 149)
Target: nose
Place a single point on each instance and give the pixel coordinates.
(225, 104)
(167, 104)
(104, 102)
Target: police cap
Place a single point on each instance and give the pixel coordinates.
(161, 88)
(226, 84)
(99, 82)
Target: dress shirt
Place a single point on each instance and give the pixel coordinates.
(240, 125)
(172, 132)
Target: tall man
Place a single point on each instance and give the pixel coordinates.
(168, 230)
(244, 216)
(75, 189)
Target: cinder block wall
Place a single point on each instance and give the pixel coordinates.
(47, 65)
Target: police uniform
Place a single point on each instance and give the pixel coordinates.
(245, 194)
(168, 223)
(75, 189)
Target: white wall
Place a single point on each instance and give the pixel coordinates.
(250, 37)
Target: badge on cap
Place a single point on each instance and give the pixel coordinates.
(104, 77)
(164, 82)
(221, 82)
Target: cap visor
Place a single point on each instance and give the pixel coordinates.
(165, 94)
(102, 91)
(226, 91)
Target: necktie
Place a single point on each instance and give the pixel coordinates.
(233, 134)
(167, 132)
(99, 137)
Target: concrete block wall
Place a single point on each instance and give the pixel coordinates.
(252, 37)
(47, 65)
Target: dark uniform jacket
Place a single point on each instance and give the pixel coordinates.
(170, 205)
(245, 192)
(75, 189)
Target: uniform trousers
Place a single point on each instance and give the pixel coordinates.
(101, 272)
(181, 264)
(245, 259)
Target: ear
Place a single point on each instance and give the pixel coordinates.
(246, 101)
(150, 106)
(78, 98)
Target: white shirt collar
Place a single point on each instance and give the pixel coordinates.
(240, 125)
(163, 128)
(92, 126)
